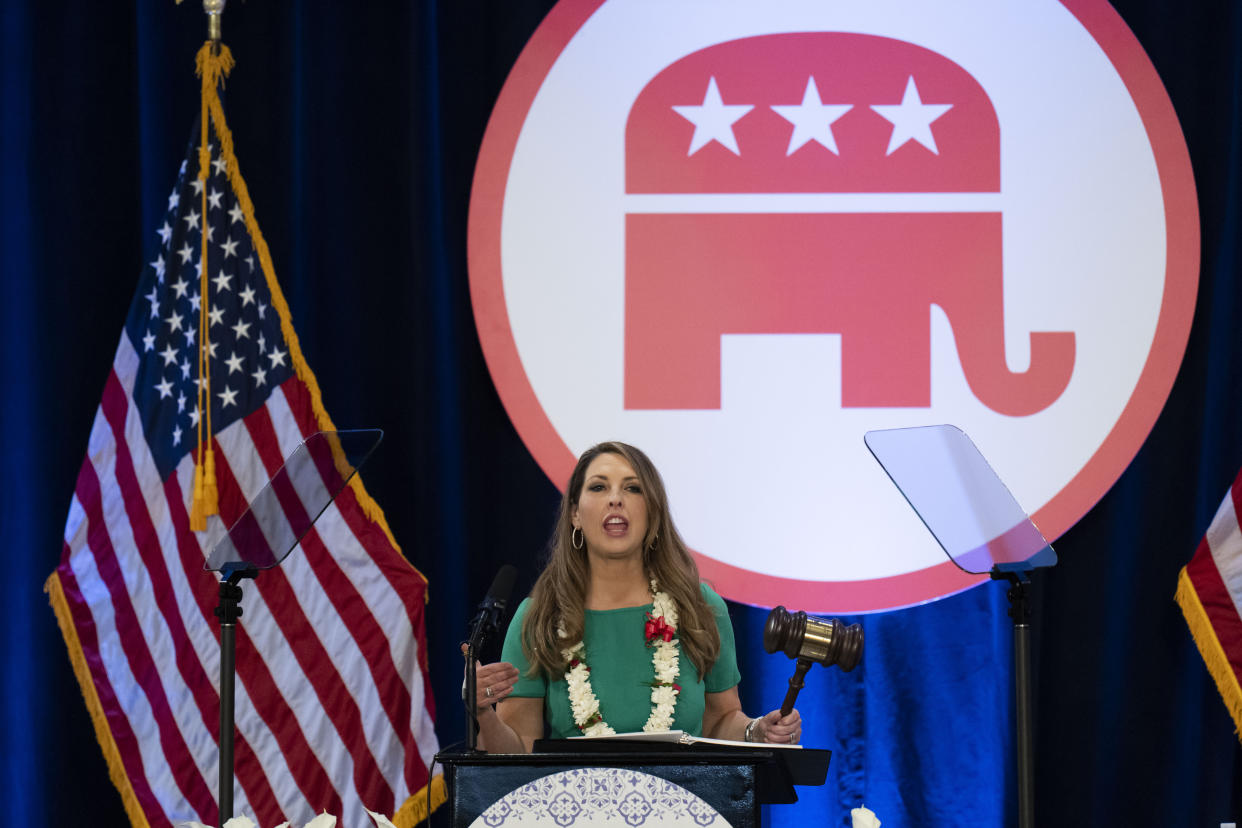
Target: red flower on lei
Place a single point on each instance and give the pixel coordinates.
(658, 628)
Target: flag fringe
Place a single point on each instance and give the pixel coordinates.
(116, 769)
(1209, 647)
(369, 507)
(414, 810)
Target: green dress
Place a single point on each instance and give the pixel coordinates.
(622, 673)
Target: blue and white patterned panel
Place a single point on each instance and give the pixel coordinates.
(600, 798)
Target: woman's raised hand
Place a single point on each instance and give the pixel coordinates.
(493, 682)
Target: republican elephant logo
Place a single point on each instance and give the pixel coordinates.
(744, 235)
(821, 183)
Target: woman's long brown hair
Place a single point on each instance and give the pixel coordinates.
(559, 594)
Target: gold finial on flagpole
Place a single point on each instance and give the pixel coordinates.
(214, 9)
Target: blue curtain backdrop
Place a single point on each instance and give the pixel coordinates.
(357, 127)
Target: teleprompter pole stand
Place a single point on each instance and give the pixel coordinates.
(1020, 612)
(228, 611)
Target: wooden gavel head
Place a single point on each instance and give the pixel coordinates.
(812, 639)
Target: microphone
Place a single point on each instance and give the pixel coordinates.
(486, 620)
(492, 608)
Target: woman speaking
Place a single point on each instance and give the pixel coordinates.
(618, 634)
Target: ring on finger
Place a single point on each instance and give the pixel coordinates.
(488, 691)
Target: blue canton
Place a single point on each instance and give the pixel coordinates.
(248, 353)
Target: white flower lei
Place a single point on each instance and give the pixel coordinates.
(664, 692)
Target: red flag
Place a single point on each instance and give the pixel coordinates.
(1209, 590)
(333, 705)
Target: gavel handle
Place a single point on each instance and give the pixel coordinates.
(795, 684)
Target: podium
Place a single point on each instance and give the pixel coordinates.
(580, 783)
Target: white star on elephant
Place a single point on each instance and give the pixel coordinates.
(911, 119)
(713, 120)
(812, 119)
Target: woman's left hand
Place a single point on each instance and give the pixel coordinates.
(783, 730)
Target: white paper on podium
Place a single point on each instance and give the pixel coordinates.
(684, 738)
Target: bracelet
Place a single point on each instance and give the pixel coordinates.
(750, 730)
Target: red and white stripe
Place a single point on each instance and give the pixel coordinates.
(332, 706)
(1216, 573)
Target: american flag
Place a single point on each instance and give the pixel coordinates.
(333, 704)
(1209, 591)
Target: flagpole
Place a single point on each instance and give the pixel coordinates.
(229, 609)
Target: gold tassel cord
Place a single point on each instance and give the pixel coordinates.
(212, 64)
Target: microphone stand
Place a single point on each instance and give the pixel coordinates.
(484, 623)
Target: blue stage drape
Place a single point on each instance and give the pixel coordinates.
(357, 128)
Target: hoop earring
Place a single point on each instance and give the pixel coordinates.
(576, 538)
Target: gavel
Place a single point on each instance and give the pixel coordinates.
(810, 641)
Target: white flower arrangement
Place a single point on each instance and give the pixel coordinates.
(661, 629)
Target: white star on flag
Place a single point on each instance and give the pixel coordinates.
(713, 120)
(911, 119)
(812, 119)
